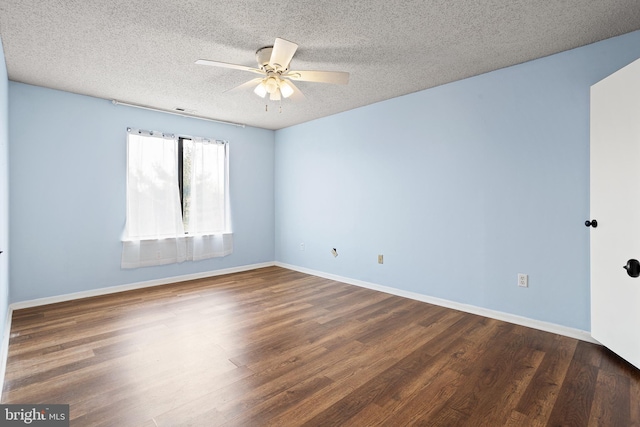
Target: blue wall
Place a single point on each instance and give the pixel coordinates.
(67, 192)
(4, 193)
(461, 187)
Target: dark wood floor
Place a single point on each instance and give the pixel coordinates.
(277, 347)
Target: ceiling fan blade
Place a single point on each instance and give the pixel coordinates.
(283, 51)
(334, 77)
(227, 65)
(250, 84)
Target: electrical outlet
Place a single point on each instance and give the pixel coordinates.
(302, 246)
(523, 280)
(380, 259)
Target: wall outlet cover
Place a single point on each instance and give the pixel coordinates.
(523, 280)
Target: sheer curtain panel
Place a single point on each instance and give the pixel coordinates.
(208, 220)
(154, 232)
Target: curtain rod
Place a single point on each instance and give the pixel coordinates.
(115, 102)
(172, 135)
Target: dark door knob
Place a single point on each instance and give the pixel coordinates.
(633, 268)
(593, 223)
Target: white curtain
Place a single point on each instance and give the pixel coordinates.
(208, 223)
(153, 196)
(155, 228)
(154, 232)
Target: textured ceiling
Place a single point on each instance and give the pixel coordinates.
(143, 51)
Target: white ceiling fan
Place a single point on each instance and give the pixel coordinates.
(276, 78)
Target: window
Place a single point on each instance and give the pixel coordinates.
(177, 199)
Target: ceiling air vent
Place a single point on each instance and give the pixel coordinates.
(184, 110)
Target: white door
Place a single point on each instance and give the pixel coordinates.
(615, 204)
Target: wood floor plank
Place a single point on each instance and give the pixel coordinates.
(612, 392)
(496, 408)
(493, 372)
(257, 414)
(518, 419)
(432, 395)
(304, 411)
(575, 398)
(539, 398)
(276, 347)
(634, 401)
(422, 395)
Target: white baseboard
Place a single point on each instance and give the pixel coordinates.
(132, 286)
(493, 314)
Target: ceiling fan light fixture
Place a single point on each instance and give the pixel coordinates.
(285, 89)
(275, 96)
(271, 84)
(261, 90)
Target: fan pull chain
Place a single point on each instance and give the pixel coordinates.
(266, 108)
